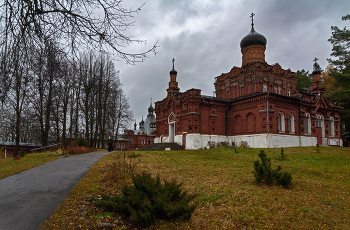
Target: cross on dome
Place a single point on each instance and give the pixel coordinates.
(252, 15)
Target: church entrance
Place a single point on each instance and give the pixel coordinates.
(171, 122)
(184, 140)
(319, 129)
(171, 132)
(319, 135)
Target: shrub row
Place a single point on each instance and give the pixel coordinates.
(77, 150)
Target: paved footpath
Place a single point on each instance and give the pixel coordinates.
(30, 197)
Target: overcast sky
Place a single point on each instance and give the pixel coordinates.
(204, 38)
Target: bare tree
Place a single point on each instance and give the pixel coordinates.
(20, 84)
(97, 24)
(46, 68)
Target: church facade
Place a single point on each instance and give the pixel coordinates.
(256, 105)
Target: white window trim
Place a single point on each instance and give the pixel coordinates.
(281, 123)
(291, 124)
(331, 127)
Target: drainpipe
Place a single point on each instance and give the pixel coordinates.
(200, 117)
(254, 78)
(228, 106)
(299, 124)
(268, 118)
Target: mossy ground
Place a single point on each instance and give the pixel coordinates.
(229, 197)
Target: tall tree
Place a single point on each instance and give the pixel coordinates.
(328, 81)
(340, 40)
(20, 85)
(46, 68)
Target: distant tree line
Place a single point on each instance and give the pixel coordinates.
(336, 76)
(57, 79)
(48, 97)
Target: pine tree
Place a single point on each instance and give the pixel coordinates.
(303, 81)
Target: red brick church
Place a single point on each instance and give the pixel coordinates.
(255, 104)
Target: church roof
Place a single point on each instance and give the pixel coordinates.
(216, 98)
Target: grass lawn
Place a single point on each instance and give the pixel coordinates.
(228, 197)
(9, 167)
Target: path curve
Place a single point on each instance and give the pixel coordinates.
(27, 199)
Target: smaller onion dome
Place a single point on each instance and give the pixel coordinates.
(173, 71)
(150, 109)
(317, 68)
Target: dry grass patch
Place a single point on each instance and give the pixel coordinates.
(9, 167)
(228, 197)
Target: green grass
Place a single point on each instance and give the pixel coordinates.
(228, 197)
(9, 167)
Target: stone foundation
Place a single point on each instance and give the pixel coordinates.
(197, 141)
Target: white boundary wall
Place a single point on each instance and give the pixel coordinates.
(197, 141)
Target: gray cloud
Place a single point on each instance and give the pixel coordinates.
(204, 38)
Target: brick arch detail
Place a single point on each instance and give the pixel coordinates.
(238, 124)
(172, 117)
(250, 122)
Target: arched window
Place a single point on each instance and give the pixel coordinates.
(264, 88)
(118, 145)
(149, 141)
(281, 124)
(288, 93)
(331, 127)
(275, 89)
(131, 141)
(291, 123)
(279, 90)
(307, 122)
(318, 121)
(143, 141)
(123, 146)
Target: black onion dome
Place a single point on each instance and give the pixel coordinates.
(150, 109)
(253, 38)
(317, 71)
(173, 71)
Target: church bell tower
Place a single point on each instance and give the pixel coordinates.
(173, 86)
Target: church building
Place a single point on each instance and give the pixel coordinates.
(138, 138)
(256, 105)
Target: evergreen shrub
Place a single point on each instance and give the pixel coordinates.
(283, 156)
(264, 174)
(81, 142)
(318, 148)
(148, 200)
(22, 153)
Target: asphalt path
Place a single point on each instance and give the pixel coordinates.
(27, 199)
